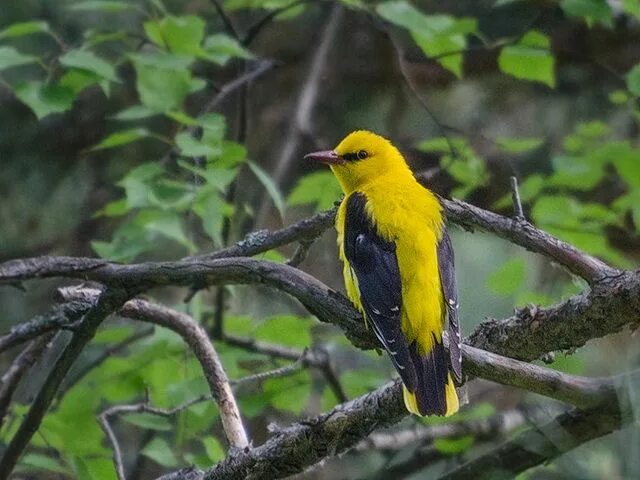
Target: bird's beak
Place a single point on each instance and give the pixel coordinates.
(328, 157)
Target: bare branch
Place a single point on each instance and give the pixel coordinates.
(289, 451)
(256, 28)
(275, 373)
(563, 433)
(262, 66)
(197, 339)
(609, 306)
(226, 20)
(302, 250)
(484, 428)
(515, 197)
(23, 362)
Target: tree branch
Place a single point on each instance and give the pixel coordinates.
(198, 341)
(609, 306)
(541, 444)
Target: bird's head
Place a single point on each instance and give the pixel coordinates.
(362, 157)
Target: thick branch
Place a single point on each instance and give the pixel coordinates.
(541, 444)
(610, 305)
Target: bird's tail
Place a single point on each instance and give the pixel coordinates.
(451, 399)
(435, 392)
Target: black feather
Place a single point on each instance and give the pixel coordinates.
(446, 266)
(374, 262)
(432, 371)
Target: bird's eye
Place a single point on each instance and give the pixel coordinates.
(362, 154)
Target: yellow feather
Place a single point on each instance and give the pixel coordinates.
(409, 215)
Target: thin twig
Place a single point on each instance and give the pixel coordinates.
(515, 197)
(256, 28)
(226, 20)
(104, 417)
(23, 362)
(275, 373)
(302, 250)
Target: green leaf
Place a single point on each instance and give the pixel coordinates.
(92, 468)
(319, 188)
(633, 80)
(508, 279)
(529, 59)
(519, 145)
(440, 36)
(135, 112)
(218, 178)
(454, 446)
(169, 225)
(36, 461)
(214, 449)
(162, 80)
(149, 421)
(289, 393)
(86, 60)
(361, 381)
(192, 147)
(10, 57)
(183, 34)
(620, 97)
(160, 452)
(220, 48)
(271, 188)
(123, 137)
(43, 99)
(590, 10)
(24, 28)
(287, 330)
(113, 334)
(103, 6)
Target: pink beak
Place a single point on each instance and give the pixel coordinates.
(328, 157)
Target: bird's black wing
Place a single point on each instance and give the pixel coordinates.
(450, 292)
(374, 263)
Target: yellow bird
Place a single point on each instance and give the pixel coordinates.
(399, 267)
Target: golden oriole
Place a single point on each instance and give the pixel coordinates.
(399, 267)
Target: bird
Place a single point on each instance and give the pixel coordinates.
(398, 267)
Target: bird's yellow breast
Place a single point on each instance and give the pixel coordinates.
(410, 216)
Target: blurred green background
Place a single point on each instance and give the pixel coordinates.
(107, 148)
